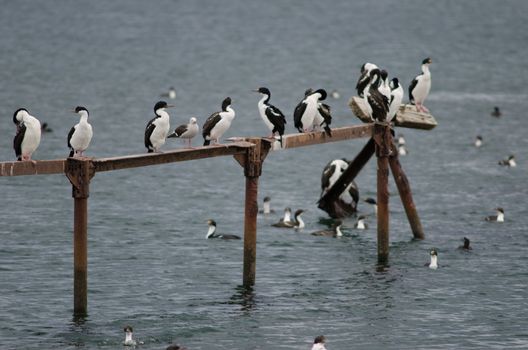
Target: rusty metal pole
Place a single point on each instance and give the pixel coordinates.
(79, 172)
(382, 153)
(406, 196)
(252, 163)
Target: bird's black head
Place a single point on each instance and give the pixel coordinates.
(128, 329)
(374, 75)
(500, 209)
(394, 83)
(160, 105)
(15, 120)
(384, 74)
(299, 212)
(428, 60)
(511, 157)
(226, 103)
(434, 252)
(479, 137)
(322, 92)
(319, 339)
(263, 90)
(361, 217)
(80, 108)
(211, 222)
(370, 200)
(267, 199)
(466, 242)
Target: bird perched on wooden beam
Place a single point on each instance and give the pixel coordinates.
(271, 115)
(158, 127)
(420, 87)
(217, 124)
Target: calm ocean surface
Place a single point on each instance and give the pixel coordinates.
(149, 264)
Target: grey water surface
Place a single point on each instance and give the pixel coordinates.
(150, 265)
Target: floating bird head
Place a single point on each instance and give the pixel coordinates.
(361, 217)
(267, 199)
(319, 342)
(263, 91)
(128, 329)
(287, 210)
(394, 84)
(226, 103)
(511, 157)
(321, 92)
(298, 213)
(479, 137)
(434, 252)
(370, 200)
(427, 60)
(161, 105)
(19, 115)
(211, 222)
(466, 243)
(81, 110)
(500, 210)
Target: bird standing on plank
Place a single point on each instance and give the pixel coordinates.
(186, 131)
(80, 134)
(420, 87)
(157, 128)
(28, 132)
(272, 116)
(306, 110)
(217, 124)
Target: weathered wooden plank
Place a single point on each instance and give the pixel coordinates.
(407, 116)
(318, 137)
(38, 167)
(140, 160)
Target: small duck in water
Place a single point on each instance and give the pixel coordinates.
(497, 218)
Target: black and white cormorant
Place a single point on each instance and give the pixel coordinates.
(331, 173)
(497, 218)
(299, 223)
(266, 206)
(306, 110)
(129, 340)
(508, 162)
(334, 231)
(80, 134)
(319, 343)
(217, 124)
(158, 127)
(364, 78)
(496, 112)
(420, 87)
(360, 223)
(186, 131)
(377, 104)
(384, 87)
(478, 141)
(323, 118)
(28, 132)
(433, 264)
(285, 221)
(466, 245)
(271, 115)
(211, 233)
(396, 98)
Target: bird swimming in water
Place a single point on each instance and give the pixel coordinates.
(402, 150)
(496, 112)
(478, 141)
(271, 115)
(186, 131)
(360, 223)
(319, 343)
(396, 97)
(434, 260)
(211, 233)
(508, 162)
(335, 94)
(80, 134)
(28, 132)
(285, 221)
(373, 202)
(45, 128)
(175, 347)
(170, 94)
(267, 207)
(217, 124)
(158, 127)
(306, 110)
(364, 78)
(129, 341)
(420, 87)
(400, 139)
(497, 218)
(299, 223)
(334, 231)
(377, 104)
(466, 244)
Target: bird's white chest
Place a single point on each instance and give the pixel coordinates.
(32, 136)
(262, 110)
(160, 132)
(82, 136)
(221, 127)
(423, 86)
(308, 116)
(360, 225)
(397, 97)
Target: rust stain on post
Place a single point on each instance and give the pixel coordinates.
(406, 196)
(382, 137)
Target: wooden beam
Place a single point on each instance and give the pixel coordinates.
(38, 167)
(317, 137)
(140, 160)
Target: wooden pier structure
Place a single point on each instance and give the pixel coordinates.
(250, 153)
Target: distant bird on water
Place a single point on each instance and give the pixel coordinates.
(372, 202)
(508, 162)
(334, 231)
(402, 150)
(496, 112)
(377, 104)
(170, 94)
(400, 139)
(80, 134)
(129, 340)
(266, 210)
(217, 124)
(45, 128)
(434, 260)
(420, 87)
(466, 245)
(175, 347)
(271, 115)
(360, 223)
(306, 110)
(478, 141)
(496, 218)
(335, 94)
(364, 78)
(211, 233)
(319, 343)
(396, 97)
(186, 131)
(28, 132)
(285, 221)
(157, 128)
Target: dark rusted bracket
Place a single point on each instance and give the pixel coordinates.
(254, 158)
(79, 171)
